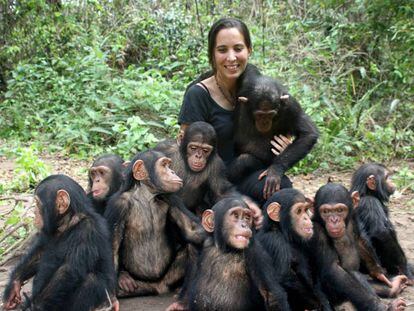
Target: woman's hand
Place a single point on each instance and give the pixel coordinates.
(280, 143)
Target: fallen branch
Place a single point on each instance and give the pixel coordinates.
(16, 249)
(13, 230)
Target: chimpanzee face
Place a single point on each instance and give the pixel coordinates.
(264, 115)
(197, 155)
(101, 177)
(166, 179)
(237, 227)
(38, 220)
(334, 216)
(301, 214)
(389, 185)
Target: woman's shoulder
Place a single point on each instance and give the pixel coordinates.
(198, 89)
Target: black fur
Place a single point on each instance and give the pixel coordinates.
(373, 218)
(229, 279)
(71, 257)
(289, 253)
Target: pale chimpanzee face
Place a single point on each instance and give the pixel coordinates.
(301, 215)
(167, 179)
(101, 177)
(334, 216)
(38, 220)
(197, 155)
(237, 227)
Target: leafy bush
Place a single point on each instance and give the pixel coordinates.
(108, 75)
(29, 171)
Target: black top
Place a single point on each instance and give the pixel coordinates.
(199, 106)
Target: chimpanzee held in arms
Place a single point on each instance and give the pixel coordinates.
(287, 229)
(336, 250)
(266, 110)
(71, 257)
(144, 216)
(375, 188)
(105, 178)
(233, 271)
(196, 161)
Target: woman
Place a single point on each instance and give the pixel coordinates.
(213, 99)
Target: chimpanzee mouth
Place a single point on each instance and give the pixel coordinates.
(240, 237)
(97, 193)
(308, 229)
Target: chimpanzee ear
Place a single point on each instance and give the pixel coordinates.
(62, 201)
(139, 171)
(242, 99)
(273, 210)
(125, 164)
(355, 198)
(207, 220)
(371, 183)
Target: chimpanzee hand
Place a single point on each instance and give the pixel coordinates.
(257, 212)
(398, 304)
(126, 282)
(280, 143)
(14, 299)
(272, 183)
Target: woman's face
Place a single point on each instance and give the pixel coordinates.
(230, 54)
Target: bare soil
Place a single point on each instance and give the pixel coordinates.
(401, 206)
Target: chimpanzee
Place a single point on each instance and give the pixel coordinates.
(105, 177)
(285, 235)
(71, 258)
(196, 161)
(233, 271)
(337, 247)
(375, 188)
(266, 110)
(144, 216)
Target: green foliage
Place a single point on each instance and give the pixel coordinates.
(404, 179)
(17, 226)
(98, 76)
(29, 171)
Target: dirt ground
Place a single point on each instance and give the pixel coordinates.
(401, 206)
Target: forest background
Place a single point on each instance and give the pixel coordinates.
(82, 78)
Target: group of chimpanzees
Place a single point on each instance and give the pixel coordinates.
(173, 217)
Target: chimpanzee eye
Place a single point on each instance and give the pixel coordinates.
(340, 210)
(299, 211)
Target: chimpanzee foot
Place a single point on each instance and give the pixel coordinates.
(399, 283)
(398, 304)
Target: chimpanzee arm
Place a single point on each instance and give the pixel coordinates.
(242, 166)
(306, 135)
(218, 182)
(369, 258)
(79, 274)
(116, 214)
(333, 277)
(188, 223)
(392, 255)
(27, 267)
(262, 272)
